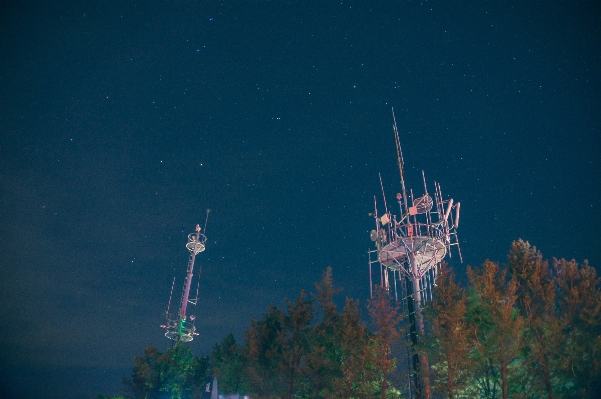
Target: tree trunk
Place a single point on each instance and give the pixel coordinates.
(451, 378)
(504, 380)
(545, 365)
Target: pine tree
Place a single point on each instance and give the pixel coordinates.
(294, 341)
(536, 293)
(386, 318)
(145, 381)
(450, 340)
(323, 362)
(228, 364)
(580, 307)
(198, 375)
(354, 354)
(499, 325)
(176, 367)
(176, 373)
(263, 351)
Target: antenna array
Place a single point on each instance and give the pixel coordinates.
(409, 249)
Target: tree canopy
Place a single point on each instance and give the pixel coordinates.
(527, 329)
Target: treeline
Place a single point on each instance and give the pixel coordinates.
(525, 330)
(528, 330)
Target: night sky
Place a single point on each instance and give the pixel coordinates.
(122, 122)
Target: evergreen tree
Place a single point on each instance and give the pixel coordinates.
(498, 324)
(175, 373)
(263, 351)
(449, 341)
(386, 318)
(145, 382)
(198, 375)
(176, 368)
(294, 342)
(323, 360)
(580, 307)
(228, 364)
(529, 323)
(536, 293)
(354, 350)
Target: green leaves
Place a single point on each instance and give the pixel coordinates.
(450, 339)
(579, 302)
(228, 361)
(526, 330)
(386, 318)
(499, 337)
(176, 372)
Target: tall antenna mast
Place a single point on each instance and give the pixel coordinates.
(181, 328)
(411, 248)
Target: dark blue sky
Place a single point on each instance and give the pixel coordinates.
(122, 122)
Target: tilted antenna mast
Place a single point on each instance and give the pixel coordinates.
(399, 155)
(181, 328)
(194, 248)
(195, 301)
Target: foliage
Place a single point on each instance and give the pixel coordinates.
(323, 359)
(580, 312)
(354, 358)
(263, 350)
(499, 326)
(386, 318)
(537, 295)
(175, 373)
(294, 340)
(527, 330)
(450, 339)
(228, 362)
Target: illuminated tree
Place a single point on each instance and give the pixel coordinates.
(145, 382)
(198, 375)
(228, 363)
(176, 373)
(449, 340)
(294, 340)
(263, 352)
(354, 354)
(499, 325)
(580, 311)
(176, 366)
(323, 360)
(386, 318)
(536, 293)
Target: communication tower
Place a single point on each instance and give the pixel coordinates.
(180, 327)
(409, 248)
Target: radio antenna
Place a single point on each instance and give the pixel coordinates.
(180, 327)
(399, 154)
